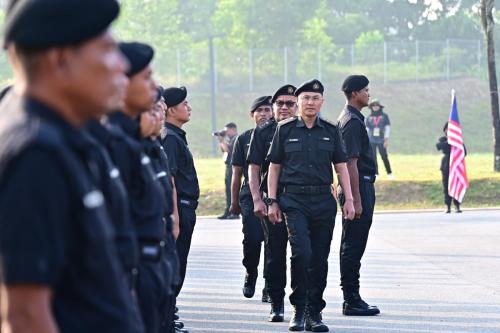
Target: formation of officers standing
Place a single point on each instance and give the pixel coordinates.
(98, 189)
(287, 197)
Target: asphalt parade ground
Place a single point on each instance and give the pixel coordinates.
(427, 272)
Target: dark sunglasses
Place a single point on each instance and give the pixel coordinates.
(289, 104)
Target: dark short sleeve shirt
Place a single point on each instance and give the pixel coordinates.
(181, 163)
(351, 125)
(240, 152)
(306, 154)
(260, 142)
(376, 123)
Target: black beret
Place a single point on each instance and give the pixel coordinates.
(261, 101)
(286, 90)
(174, 96)
(354, 83)
(43, 24)
(139, 56)
(310, 86)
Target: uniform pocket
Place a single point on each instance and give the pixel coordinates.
(294, 146)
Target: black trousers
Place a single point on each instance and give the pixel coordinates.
(445, 174)
(354, 239)
(253, 236)
(227, 183)
(383, 154)
(310, 219)
(152, 295)
(276, 239)
(187, 221)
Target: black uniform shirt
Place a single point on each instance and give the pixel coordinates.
(240, 152)
(306, 154)
(54, 228)
(115, 194)
(357, 144)
(146, 204)
(181, 163)
(260, 142)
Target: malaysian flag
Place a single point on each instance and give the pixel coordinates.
(458, 182)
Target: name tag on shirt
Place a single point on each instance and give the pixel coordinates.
(293, 140)
(325, 139)
(376, 132)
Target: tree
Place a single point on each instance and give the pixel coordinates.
(488, 26)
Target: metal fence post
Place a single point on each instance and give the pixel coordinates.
(319, 62)
(416, 59)
(385, 62)
(447, 59)
(250, 69)
(178, 68)
(285, 65)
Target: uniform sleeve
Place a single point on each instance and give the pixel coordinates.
(238, 153)
(256, 153)
(34, 219)
(276, 152)
(351, 135)
(339, 155)
(171, 146)
(387, 120)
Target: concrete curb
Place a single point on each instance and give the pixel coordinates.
(403, 211)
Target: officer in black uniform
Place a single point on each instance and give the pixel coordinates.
(145, 193)
(301, 156)
(445, 147)
(362, 170)
(241, 200)
(275, 235)
(60, 269)
(182, 170)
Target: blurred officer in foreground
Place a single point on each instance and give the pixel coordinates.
(185, 179)
(275, 235)
(227, 138)
(241, 200)
(444, 146)
(145, 193)
(60, 267)
(379, 130)
(301, 156)
(362, 170)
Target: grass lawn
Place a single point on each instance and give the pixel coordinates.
(417, 183)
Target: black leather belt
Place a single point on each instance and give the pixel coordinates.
(188, 203)
(367, 178)
(151, 251)
(307, 189)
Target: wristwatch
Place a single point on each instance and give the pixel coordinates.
(270, 201)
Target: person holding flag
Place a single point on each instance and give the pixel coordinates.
(453, 169)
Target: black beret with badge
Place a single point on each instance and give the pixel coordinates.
(310, 86)
(286, 90)
(355, 83)
(261, 101)
(41, 24)
(139, 56)
(174, 96)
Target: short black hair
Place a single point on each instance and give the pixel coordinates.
(231, 125)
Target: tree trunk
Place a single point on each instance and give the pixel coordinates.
(488, 26)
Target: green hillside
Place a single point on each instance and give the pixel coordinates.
(418, 112)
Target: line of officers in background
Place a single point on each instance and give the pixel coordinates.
(98, 189)
(282, 186)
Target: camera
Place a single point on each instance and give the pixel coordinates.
(221, 133)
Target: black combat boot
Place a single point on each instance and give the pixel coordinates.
(265, 294)
(355, 306)
(298, 319)
(448, 209)
(314, 322)
(457, 208)
(249, 285)
(277, 314)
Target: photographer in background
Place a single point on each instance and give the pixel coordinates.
(226, 138)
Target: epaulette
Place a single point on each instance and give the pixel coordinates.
(329, 122)
(288, 121)
(268, 123)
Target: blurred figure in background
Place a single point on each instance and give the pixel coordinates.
(226, 138)
(379, 130)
